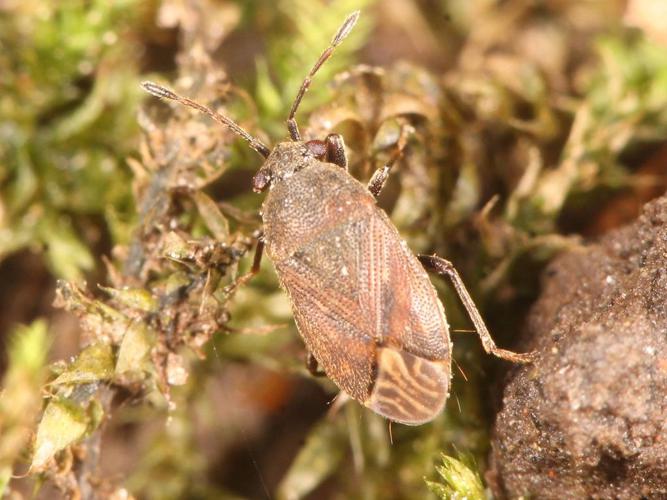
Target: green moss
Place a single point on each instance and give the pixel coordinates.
(68, 105)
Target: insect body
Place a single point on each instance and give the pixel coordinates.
(362, 301)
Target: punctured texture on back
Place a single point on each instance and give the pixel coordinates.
(362, 302)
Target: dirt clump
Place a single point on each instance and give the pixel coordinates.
(589, 418)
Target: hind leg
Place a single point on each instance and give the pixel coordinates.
(445, 268)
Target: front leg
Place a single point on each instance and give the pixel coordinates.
(257, 260)
(445, 268)
(379, 179)
(380, 176)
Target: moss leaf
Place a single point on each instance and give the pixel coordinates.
(460, 482)
(318, 459)
(135, 298)
(62, 424)
(134, 348)
(20, 396)
(212, 216)
(95, 363)
(5, 476)
(66, 254)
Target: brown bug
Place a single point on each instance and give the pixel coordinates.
(362, 301)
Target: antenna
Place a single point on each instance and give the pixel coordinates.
(159, 91)
(340, 35)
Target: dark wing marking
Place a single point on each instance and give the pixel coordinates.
(409, 389)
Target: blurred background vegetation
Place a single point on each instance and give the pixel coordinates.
(130, 369)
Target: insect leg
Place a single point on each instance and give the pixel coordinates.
(380, 176)
(313, 366)
(445, 268)
(336, 150)
(242, 280)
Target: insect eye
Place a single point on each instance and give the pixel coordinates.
(317, 148)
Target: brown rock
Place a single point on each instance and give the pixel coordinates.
(589, 418)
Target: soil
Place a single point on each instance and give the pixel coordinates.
(589, 418)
